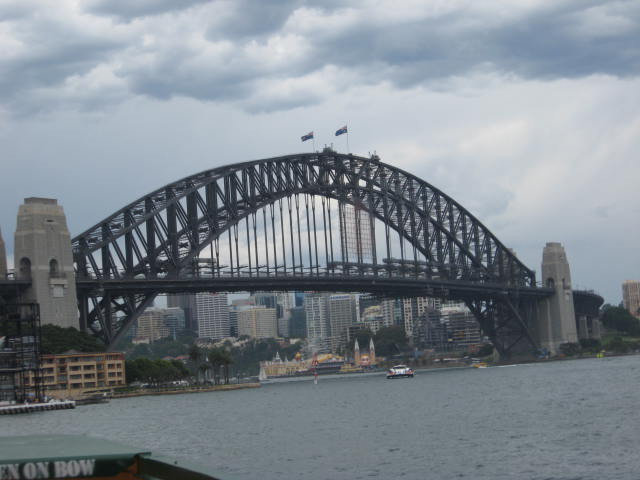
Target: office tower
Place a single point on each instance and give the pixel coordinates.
(356, 234)
(318, 327)
(213, 315)
(187, 302)
(151, 325)
(297, 323)
(285, 303)
(342, 314)
(258, 322)
(174, 319)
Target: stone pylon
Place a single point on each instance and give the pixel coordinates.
(3, 259)
(556, 322)
(43, 254)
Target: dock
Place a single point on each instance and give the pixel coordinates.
(36, 407)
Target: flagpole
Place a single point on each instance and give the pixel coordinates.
(348, 149)
(313, 139)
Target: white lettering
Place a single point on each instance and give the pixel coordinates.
(87, 467)
(43, 469)
(73, 468)
(60, 469)
(9, 471)
(29, 471)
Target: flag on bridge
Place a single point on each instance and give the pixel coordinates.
(306, 137)
(341, 131)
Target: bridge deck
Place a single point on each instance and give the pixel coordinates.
(392, 287)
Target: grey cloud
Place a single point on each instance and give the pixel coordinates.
(127, 10)
(252, 18)
(551, 41)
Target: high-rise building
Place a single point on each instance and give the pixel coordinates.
(151, 325)
(631, 297)
(174, 319)
(285, 304)
(318, 327)
(392, 312)
(356, 234)
(258, 322)
(342, 314)
(297, 323)
(213, 315)
(299, 298)
(412, 309)
(187, 302)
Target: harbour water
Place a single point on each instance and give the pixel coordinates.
(575, 419)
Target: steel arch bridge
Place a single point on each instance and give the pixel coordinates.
(313, 222)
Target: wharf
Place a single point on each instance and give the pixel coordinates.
(36, 407)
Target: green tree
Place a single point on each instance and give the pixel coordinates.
(390, 341)
(618, 345)
(618, 318)
(55, 339)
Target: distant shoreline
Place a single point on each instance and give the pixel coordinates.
(168, 391)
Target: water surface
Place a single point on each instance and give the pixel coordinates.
(560, 420)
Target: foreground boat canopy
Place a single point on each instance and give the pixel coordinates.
(79, 457)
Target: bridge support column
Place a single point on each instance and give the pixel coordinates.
(43, 254)
(556, 319)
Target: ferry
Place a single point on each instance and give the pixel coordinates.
(80, 457)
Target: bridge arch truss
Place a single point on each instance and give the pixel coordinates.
(323, 220)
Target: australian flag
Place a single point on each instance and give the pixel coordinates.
(306, 137)
(341, 131)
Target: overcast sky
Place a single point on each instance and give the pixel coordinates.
(527, 112)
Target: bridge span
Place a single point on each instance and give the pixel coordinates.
(316, 222)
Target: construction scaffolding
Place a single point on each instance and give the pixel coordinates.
(20, 372)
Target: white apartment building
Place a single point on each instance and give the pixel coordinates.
(213, 315)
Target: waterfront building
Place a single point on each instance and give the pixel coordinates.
(631, 297)
(72, 373)
(258, 322)
(213, 315)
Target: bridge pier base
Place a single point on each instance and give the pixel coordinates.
(556, 320)
(43, 254)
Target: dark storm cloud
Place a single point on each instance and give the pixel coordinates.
(126, 10)
(252, 18)
(240, 51)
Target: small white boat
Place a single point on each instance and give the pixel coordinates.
(400, 371)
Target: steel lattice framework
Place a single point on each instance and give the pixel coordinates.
(425, 243)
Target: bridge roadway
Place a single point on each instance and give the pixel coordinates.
(388, 287)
